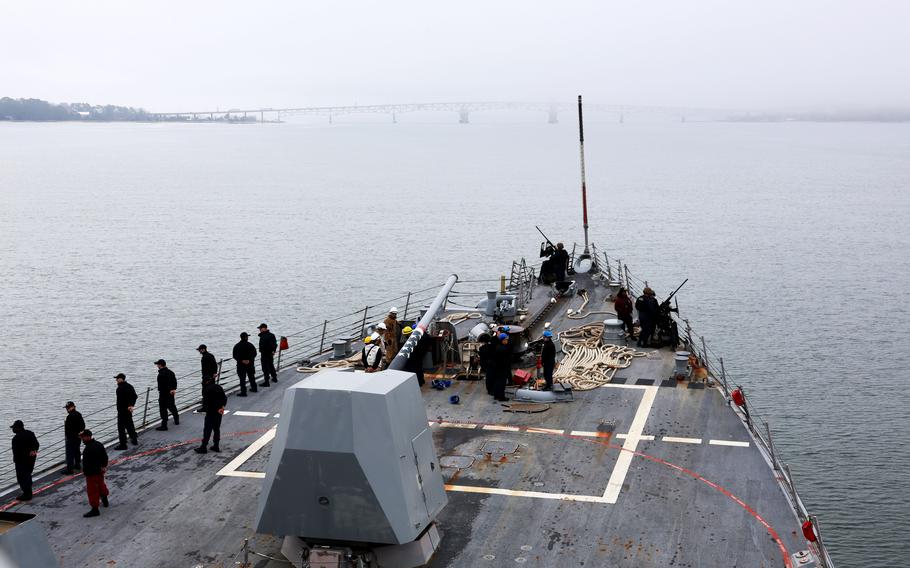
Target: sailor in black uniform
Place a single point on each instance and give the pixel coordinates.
(25, 452)
(126, 400)
(245, 354)
(209, 370)
(268, 345)
(167, 388)
(214, 401)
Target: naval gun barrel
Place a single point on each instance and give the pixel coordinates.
(399, 361)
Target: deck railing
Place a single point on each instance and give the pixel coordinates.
(316, 341)
(303, 345)
(748, 413)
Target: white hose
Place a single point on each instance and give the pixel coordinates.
(586, 363)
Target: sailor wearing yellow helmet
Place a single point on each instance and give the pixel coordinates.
(371, 354)
(415, 360)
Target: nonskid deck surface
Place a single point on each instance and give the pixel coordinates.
(629, 474)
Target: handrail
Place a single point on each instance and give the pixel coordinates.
(751, 417)
(103, 421)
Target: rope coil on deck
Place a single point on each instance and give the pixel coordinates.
(587, 364)
(577, 314)
(459, 317)
(351, 361)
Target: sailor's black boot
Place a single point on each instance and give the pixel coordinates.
(104, 500)
(93, 513)
(201, 450)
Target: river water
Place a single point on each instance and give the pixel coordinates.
(123, 243)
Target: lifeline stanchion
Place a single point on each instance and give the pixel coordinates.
(363, 324)
(220, 364)
(145, 410)
(819, 543)
(325, 324)
(771, 446)
(723, 376)
(704, 351)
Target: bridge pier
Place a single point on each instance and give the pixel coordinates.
(463, 117)
(261, 116)
(330, 119)
(394, 119)
(552, 118)
(622, 118)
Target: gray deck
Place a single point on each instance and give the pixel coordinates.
(545, 504)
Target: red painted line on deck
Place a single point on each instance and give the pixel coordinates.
(128, 458)
(694, 475)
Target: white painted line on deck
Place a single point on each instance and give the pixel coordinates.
(456, 425)
(533, 494)
(624, 459)
(643, 437)
(535, 430)
(499, 428)
(681, 440)
(277, 416)
(728, 443)
(584, 433)
(231, 469)
(250, 413)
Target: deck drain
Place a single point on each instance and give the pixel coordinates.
(527, 547)
(457, 462)
(606, 426)
(499, 447)
(489, 557)
(521, 560)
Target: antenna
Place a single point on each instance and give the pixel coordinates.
(584, 189)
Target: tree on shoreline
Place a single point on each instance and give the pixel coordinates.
(40, 110)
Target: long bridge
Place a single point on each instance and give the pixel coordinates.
(462, 109)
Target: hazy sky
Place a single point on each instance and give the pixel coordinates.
(196, 55)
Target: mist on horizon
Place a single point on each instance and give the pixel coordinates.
(170, 56)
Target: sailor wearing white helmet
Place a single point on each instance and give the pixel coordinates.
(391, 334)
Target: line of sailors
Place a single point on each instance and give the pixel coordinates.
(93, 460)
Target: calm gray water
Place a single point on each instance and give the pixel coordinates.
(122, 243)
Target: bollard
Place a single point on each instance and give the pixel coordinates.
(246, 552)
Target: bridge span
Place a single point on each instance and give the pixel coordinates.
(463, 111)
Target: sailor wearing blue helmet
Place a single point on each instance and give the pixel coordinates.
(548, 358)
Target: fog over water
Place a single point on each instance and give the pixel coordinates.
(122, 243)
(176, 56)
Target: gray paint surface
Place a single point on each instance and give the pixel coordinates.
(346, 462)
(170, 509)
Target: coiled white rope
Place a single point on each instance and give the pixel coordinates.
(587, 364)
(578, 314)
(351, 361)
(458, 317)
